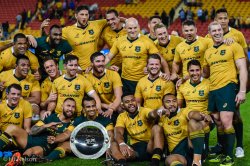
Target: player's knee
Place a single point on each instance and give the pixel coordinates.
(193, 125)
(157, 129)
(66, 146)
(12, 129)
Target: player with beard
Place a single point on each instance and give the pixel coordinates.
(112, 32)
(179, 125)
(107, 84)
(84, 35)
(193, 47)
(221, 65)
(72, 85)
(20, 75)
(9, 56)
(90, 113)
(151, 88)
(15, 110)
(134, 49)
(166, 43)
(36, 143)
(138, 122)
(51, 68)
(153, 20)
(52, 46)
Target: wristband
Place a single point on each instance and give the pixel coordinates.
(159, 112)
(243, 91)
(122, 143)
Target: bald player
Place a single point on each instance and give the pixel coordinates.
(134, 49)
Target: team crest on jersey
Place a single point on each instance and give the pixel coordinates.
(201, 92)
(77, 87)
(176, 122)
(137, 48)
(173, 51)
(26, 87)
(139, 122)
(222, 52)
(91, 32)
(17, 115)
(106, 84)
(158, 88)
(196, 48)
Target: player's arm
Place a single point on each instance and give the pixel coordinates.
(27, 124)
(116, 103)
(119, 132)
(108, 58)
(63, 136)
(111, 135)
(35, 97)
(164, 65)
(206, 71)
(51, 98)
(6, 46)
(199, 116)
(175, 70)
(180, 103)
(139, 101)
(38, 129)
(243, 76)
(113, 51)
(95, 96)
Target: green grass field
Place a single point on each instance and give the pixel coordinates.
(73, 161)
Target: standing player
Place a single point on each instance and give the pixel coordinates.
(229, 32)
(166, 43)
(30, 86)
(72, 85)
(193, 47)
(153, 20)
(151, 88)
(134, 49)
(107, 84)
(84, 35)
(8, 57)
(14, 110)
(220, 63)
(112, 32)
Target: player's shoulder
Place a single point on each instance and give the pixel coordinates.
(6, 52)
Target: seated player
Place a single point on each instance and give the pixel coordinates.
(14, 110)
(37, 141)
(138, 122)
(90, 114)
(179, 125)
(30, 86)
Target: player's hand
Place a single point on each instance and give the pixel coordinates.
(165, 76)
(45, 23)
(145, 69)
(229, 41)
(108, 153)
(51, 139)
(126, 150)
(88, 70)
(32, 41)
(175, 33)
(52, 97)
(240, 98)
(179, 82)
(46, 114)
(163, 111)
(108, 113)
(206, 118)
(37, 74)
(2, 87)
(173, 76)
(114, 68)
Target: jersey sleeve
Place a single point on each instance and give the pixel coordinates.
(177, 57)
(138, 93)
(120, 122)
(205, 63)
(88, 86)
(28, 110)
(36, 86)
(39, 123)
(66, 47)
(2, 61)
(242, 41)
(152, 49)
(114, 49)
(179, 93)
(44, 94)
(116, 80)
(110, 126)
(34, 64)
(53, 89)
(170, 88)
(238, 52)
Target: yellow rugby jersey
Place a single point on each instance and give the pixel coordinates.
(8, 60)
(221, 61)
(175, 128)
(46, 87)
(236, 35)
(109, 36)
(84, 42)
(185, 52)
(168, 51)
(138, 128)
(3, 43)
(74, 89)
(134, 55)
(151, 92)
(29, 84)
(14, 116)
(196, 97)
(105, 85)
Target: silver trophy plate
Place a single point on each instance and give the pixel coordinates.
(89, 140)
